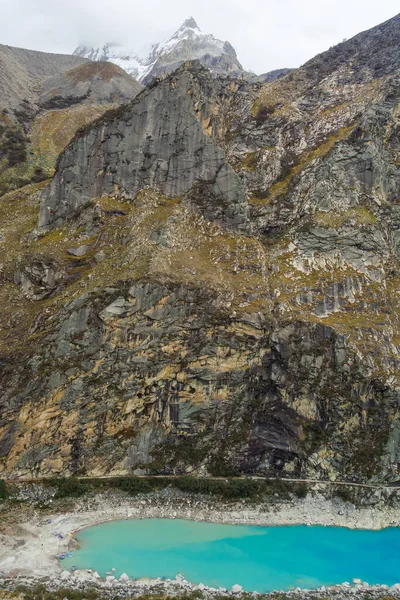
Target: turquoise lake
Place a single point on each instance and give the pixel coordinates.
(257, 558)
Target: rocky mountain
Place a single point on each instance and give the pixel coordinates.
(270, 76)
(22, 73)
(93, 82)
(44, 99)
(209, 284)
(187, 43)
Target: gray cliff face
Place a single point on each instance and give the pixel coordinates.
(158, 141)
(214, 285)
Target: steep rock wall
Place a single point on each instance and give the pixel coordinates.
(157, 141)
(162, 378)
(154, 324)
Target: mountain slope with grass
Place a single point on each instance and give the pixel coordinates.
(209, 283)
(23, 71)
(44, 99)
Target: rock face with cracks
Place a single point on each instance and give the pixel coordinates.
(158, 141)
(213, 285)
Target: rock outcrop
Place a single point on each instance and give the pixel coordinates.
(159, 141)
(213, 286)
(270, 76)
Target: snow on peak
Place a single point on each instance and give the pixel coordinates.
(187, 43)
(115, 53)
(190, 22)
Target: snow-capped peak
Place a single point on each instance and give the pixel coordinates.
(188, 31)
(187, 43)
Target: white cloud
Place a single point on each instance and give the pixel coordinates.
(266, 34)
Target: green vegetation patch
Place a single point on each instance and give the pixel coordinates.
(40, 592)
(360, 215)
(3, 490)
(69, 487)
(13, 145)
(229, 488)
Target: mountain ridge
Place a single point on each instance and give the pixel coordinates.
(22, 71)
(44, 98)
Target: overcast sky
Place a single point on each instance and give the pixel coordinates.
(266, 34)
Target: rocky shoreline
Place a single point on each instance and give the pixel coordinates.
(29, 547)
(90, 581)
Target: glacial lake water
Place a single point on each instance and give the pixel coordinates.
(257, 558)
